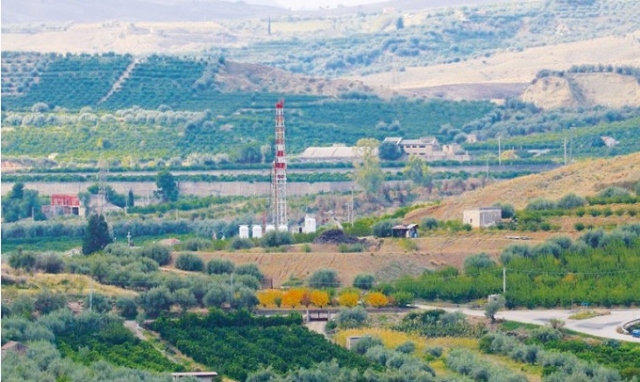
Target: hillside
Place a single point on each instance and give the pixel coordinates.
(363, 41)
(510, 71)
(584, 90)
(119, 81)
(584, 178)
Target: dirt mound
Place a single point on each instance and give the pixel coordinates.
(336, 236)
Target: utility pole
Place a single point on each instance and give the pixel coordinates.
(565, 151)
(504, 281)
(353, 206)
(91, 294)
(499, 152)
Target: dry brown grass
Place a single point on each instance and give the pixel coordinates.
(67, 283)
(583, 178)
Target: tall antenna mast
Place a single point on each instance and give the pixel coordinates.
(280, 171)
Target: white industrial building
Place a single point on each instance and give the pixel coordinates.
(482, 217)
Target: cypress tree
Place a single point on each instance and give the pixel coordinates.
(96, 235)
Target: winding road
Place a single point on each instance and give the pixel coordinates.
(600, 326)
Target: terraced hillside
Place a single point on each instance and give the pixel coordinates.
(112, 82)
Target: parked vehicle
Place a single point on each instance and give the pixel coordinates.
(635, 333)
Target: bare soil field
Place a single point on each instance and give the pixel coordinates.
(513, 67)
(387, 263)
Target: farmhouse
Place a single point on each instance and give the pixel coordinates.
(336, 153)
(429, 149)
(482, 217)
(62, 205)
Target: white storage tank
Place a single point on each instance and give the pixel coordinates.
(283, 228)
(256, 231)
(244, 232)
(309, 224)
(269, 228)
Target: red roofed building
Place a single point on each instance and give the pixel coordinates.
(63, 205)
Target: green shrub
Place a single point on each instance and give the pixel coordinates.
(580, 212)
(159, 253)
(508, 211)
(323, 278)
(579, 226)
(220, 266)
(249, 269)
(350, 248)
(384, 228)
(276, 239)
(189, 262)
(127, 307)
(434, 351)
(197, 244)
(352, 318)
(540, 204)
(364, 281)
(238, 243)
(306, 248)
(571, 201)
(402, 299)
(595, 212)
(430, 224)
(406, 348)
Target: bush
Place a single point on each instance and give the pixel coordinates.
(540, 204)
(364, 281)
(238, 243)
(366, 343)
(160, 254)
(350, 248)
(323, 278)
(46, 302)
(614, 192)
(127, 307)
(23, 260)
(98, 303)
(434, 351)
(508, 211)
(476, 262)
(276, 239)
(384, 228)
(197, 244)
(430, 224)
(571, 201)
(402, 299)
(352, 318)
(249, 269)
(579, 226)
(190, 262)
(406, 348)
(50, 263)
(220, 266)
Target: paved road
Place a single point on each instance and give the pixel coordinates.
(601, 326)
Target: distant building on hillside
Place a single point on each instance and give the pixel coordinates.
(482, 217)
(14, 346)
(609, 141)
(336, 153)
(429, 149)
(203, 376)
(63, 205)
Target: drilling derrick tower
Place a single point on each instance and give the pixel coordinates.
(279, 178)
